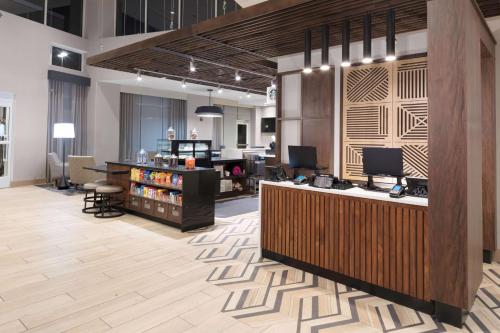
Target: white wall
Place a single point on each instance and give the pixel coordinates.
(408, 43)
(24, 62)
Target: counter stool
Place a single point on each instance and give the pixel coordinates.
(91, 197)
(107, 208)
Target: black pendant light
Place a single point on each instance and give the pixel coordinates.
(307, 52)
(367, 39)
(346, 44)
(209, 111)
(325, 48)
(391, 36)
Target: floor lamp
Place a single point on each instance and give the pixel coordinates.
(63, 131)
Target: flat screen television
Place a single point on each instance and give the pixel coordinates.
(268, 125)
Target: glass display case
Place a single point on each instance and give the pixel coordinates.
(199, 149)
(164, 147)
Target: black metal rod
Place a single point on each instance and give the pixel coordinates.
(307, 49)
(367, 37)
(346, 42)
(325, 46)
(391, 33)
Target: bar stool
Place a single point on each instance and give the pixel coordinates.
(108, 207)
(91, 197)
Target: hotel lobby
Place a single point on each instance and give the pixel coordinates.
(249, 166)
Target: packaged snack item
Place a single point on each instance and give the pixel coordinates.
(175, 178)
(141, 174)
(168, 179)
(179, 181)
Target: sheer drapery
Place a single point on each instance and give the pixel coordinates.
(145, 119)
(67, 104)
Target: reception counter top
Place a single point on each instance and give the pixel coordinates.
(354, 192)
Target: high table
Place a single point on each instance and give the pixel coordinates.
(360, 238)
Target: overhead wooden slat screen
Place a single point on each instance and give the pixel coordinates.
(385, 105)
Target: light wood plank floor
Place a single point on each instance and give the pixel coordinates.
(64, 271)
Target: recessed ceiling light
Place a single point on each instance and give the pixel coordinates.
(192, 67)
(237, 76)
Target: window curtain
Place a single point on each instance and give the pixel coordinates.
(68, 104)
(145, 119)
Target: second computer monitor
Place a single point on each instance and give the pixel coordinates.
(302, 157)
(383, 162)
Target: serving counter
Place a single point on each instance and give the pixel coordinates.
(360, 238)
(180, 197)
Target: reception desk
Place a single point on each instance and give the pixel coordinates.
(363, 239)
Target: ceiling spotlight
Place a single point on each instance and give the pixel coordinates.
(62, 54)
(183, 85)
(367, 39)
(192, 67)
(346, 44)
(307, 52)
(139, 76)
(391, 36)
(273, 83)
(248, 95)
(219, 90)
(325, 48)
(237, 76)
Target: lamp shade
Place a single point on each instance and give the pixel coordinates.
(64, 131)
(209, 111)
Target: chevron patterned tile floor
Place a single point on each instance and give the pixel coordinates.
(269, 295)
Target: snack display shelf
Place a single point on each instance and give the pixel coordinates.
(157, 200)
(167, 187)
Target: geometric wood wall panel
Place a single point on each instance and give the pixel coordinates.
(367, 122)
(411, 79)
(385, 105)
(368, 84)
(411, 121)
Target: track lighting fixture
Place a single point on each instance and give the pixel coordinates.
(325, 48)
(183, 85)
(248, 94)
(367, 39)
(237, 76)
(307, 52)
(139, 76)
(273, 83)
(391, 36)
(219, 90)
(192, 67)
(346, 44)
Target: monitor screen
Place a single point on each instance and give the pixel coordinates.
(302, 157)
(383, 162)
(268, 125)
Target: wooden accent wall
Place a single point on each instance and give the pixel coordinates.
(379, 242)
(489, 152)
(122, 180)
(314, 115)
(385, 105)
(456, 35)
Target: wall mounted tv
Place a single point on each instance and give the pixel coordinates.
(268, 125)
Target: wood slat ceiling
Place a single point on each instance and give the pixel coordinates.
(249, 38)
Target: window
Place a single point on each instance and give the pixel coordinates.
(162, 15)
(130, 16)
(242, 136)
(31, 9)
(226, 6)
(67, 59)
(194, 11)
(65, 15)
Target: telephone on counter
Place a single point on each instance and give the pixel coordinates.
(299, 180)
(397, 191)
(323, 181)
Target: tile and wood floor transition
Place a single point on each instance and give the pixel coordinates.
(62, 271)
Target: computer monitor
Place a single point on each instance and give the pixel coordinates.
(383, 162)
(302, 157)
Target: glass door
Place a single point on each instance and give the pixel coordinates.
(4, 145)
